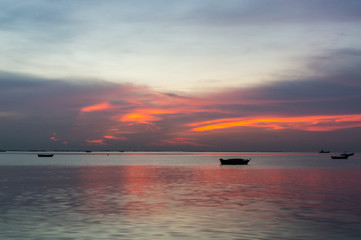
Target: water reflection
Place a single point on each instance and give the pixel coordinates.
(175, 202)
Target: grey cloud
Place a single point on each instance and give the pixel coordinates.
(280, 11)
(330, 85)
(242, 11)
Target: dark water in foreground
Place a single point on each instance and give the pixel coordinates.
(179, 196)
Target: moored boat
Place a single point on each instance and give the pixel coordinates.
(347, 154)
(45, 155)
(342, 156)
(234, 161)
(323, 151)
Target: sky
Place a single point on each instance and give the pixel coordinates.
(205, 75)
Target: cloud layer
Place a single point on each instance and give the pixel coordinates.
(288, 114)
(172, 45)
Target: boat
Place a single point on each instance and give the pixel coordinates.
(45, 155)
(347, 154)
(234, 161)
(323, 151)
(342, 156)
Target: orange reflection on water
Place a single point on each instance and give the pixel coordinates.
(161, 190)
(121, 190)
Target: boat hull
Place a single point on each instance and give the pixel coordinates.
(339, 157)
(347, 154)
(234, 161)
(45, 155)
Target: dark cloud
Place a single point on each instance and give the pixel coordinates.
(331, 85)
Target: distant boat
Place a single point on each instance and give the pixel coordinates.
(234, 161)
(323, 151)
(45, 155)
(347, 154)
(341, 156)
(88, 151)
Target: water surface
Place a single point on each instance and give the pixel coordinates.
(179, 196)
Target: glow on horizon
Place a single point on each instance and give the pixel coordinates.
(305, 123)
(178, 141)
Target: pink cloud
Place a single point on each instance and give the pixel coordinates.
(306, 123)
(96, 142)
(96, 107)
(115, 138)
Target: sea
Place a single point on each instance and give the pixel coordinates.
(179, 195)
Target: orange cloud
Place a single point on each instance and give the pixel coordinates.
(54, 137)
(115, 138)
(97, 107)
(177, 141)
(306, 123)
(139, 118)
(97, 141)
(145, 116)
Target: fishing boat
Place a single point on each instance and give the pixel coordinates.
(45, 155)
(234, 161)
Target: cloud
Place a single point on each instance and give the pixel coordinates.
(96, 107)
(38, 112)
(279, 11)
(305, 123)
(178, 141)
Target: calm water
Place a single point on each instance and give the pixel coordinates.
(179, 196)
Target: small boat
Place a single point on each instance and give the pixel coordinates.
(323, 151)
(342, 156)
(234, 161)
(347, 154)
(45, 155)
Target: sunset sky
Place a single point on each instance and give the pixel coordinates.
(205, 75)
